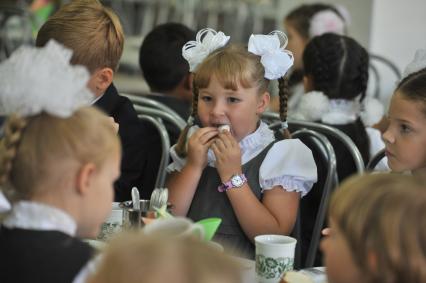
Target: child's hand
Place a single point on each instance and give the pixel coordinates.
(198, 145)
(228, 155)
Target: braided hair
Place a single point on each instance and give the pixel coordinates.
(13, 128)
(283, 93)
(338, 66)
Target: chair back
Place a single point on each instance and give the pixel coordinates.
(375, 160)
(151, 107)
(165, 146)
(313, 207)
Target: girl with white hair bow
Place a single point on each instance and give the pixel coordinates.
(232, 167)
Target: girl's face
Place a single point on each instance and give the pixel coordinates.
(338, 258)
(100, 195)
(296, 44)
(240, 109)
(405, 137)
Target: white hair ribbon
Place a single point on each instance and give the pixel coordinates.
(207, 40)
(326, 21)
(274, 58)
(34, 80)
(417, 64)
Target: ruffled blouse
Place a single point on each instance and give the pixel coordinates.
(288, 163)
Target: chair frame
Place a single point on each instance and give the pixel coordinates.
(375, 160)
(327, 152)
(327, 131)
(164, 136)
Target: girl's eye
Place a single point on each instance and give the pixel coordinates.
(206, 98)
(405, 128)
(233, 99)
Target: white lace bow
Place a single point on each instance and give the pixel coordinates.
(418, 63)
(275, 59)
(34, 79)
(326, 21)
(206, 41)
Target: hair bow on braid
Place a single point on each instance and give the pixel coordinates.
(206, 41)
(274, 57)
(418, 63)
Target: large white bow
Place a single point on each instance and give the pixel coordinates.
(417, 64)
(33, 80)
(274, 58)
(207, 41)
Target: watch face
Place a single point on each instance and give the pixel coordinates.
(237, 181)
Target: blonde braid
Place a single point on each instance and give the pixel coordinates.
(283, 93)
(180, 147)
(8, 145)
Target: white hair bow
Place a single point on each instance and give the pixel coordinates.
(326, 21)
(417, 64)
(276, 60)
(33, 80)
(207, 41)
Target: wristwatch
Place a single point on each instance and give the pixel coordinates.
(236, 181)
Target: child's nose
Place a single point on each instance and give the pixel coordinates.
(218, 109)
(387, 136)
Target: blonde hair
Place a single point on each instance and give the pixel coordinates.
(37, 149)
(135, 258)
(377, 215)
(93, 32)
(232, 65)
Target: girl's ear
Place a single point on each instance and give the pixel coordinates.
(308, 83)
(263, 102)
(85, 178)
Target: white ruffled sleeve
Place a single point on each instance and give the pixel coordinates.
(290, 164)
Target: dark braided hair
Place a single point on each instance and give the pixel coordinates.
(180, 147)
(338, 66)
(283, 93)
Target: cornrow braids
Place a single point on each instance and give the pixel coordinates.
(13, 129)
(283, 93)
(180, 147)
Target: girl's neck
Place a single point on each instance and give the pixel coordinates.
(420, 172)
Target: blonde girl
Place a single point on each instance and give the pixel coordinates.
(405, 137)
(233, 167)
(378, 230)
(58, 163)
(136, 258)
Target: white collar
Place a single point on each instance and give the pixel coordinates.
(251, 145)
(37, 216)
(97, 98)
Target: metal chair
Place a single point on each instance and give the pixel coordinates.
(145, 105)
(375, 160)
(319, 144)
(328, 131)
(165, 146)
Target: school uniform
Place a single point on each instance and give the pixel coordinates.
(266, 163)
(38, 244)
(141, 146)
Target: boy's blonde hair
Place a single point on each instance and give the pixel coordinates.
(47, 149)
(383, 215)
(93, 32)
(134, 258)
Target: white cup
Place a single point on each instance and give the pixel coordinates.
(113, 224)
(175, 227)
(274, 257)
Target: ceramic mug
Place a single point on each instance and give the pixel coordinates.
(113, 224)
(175, 227)
(274, 257)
